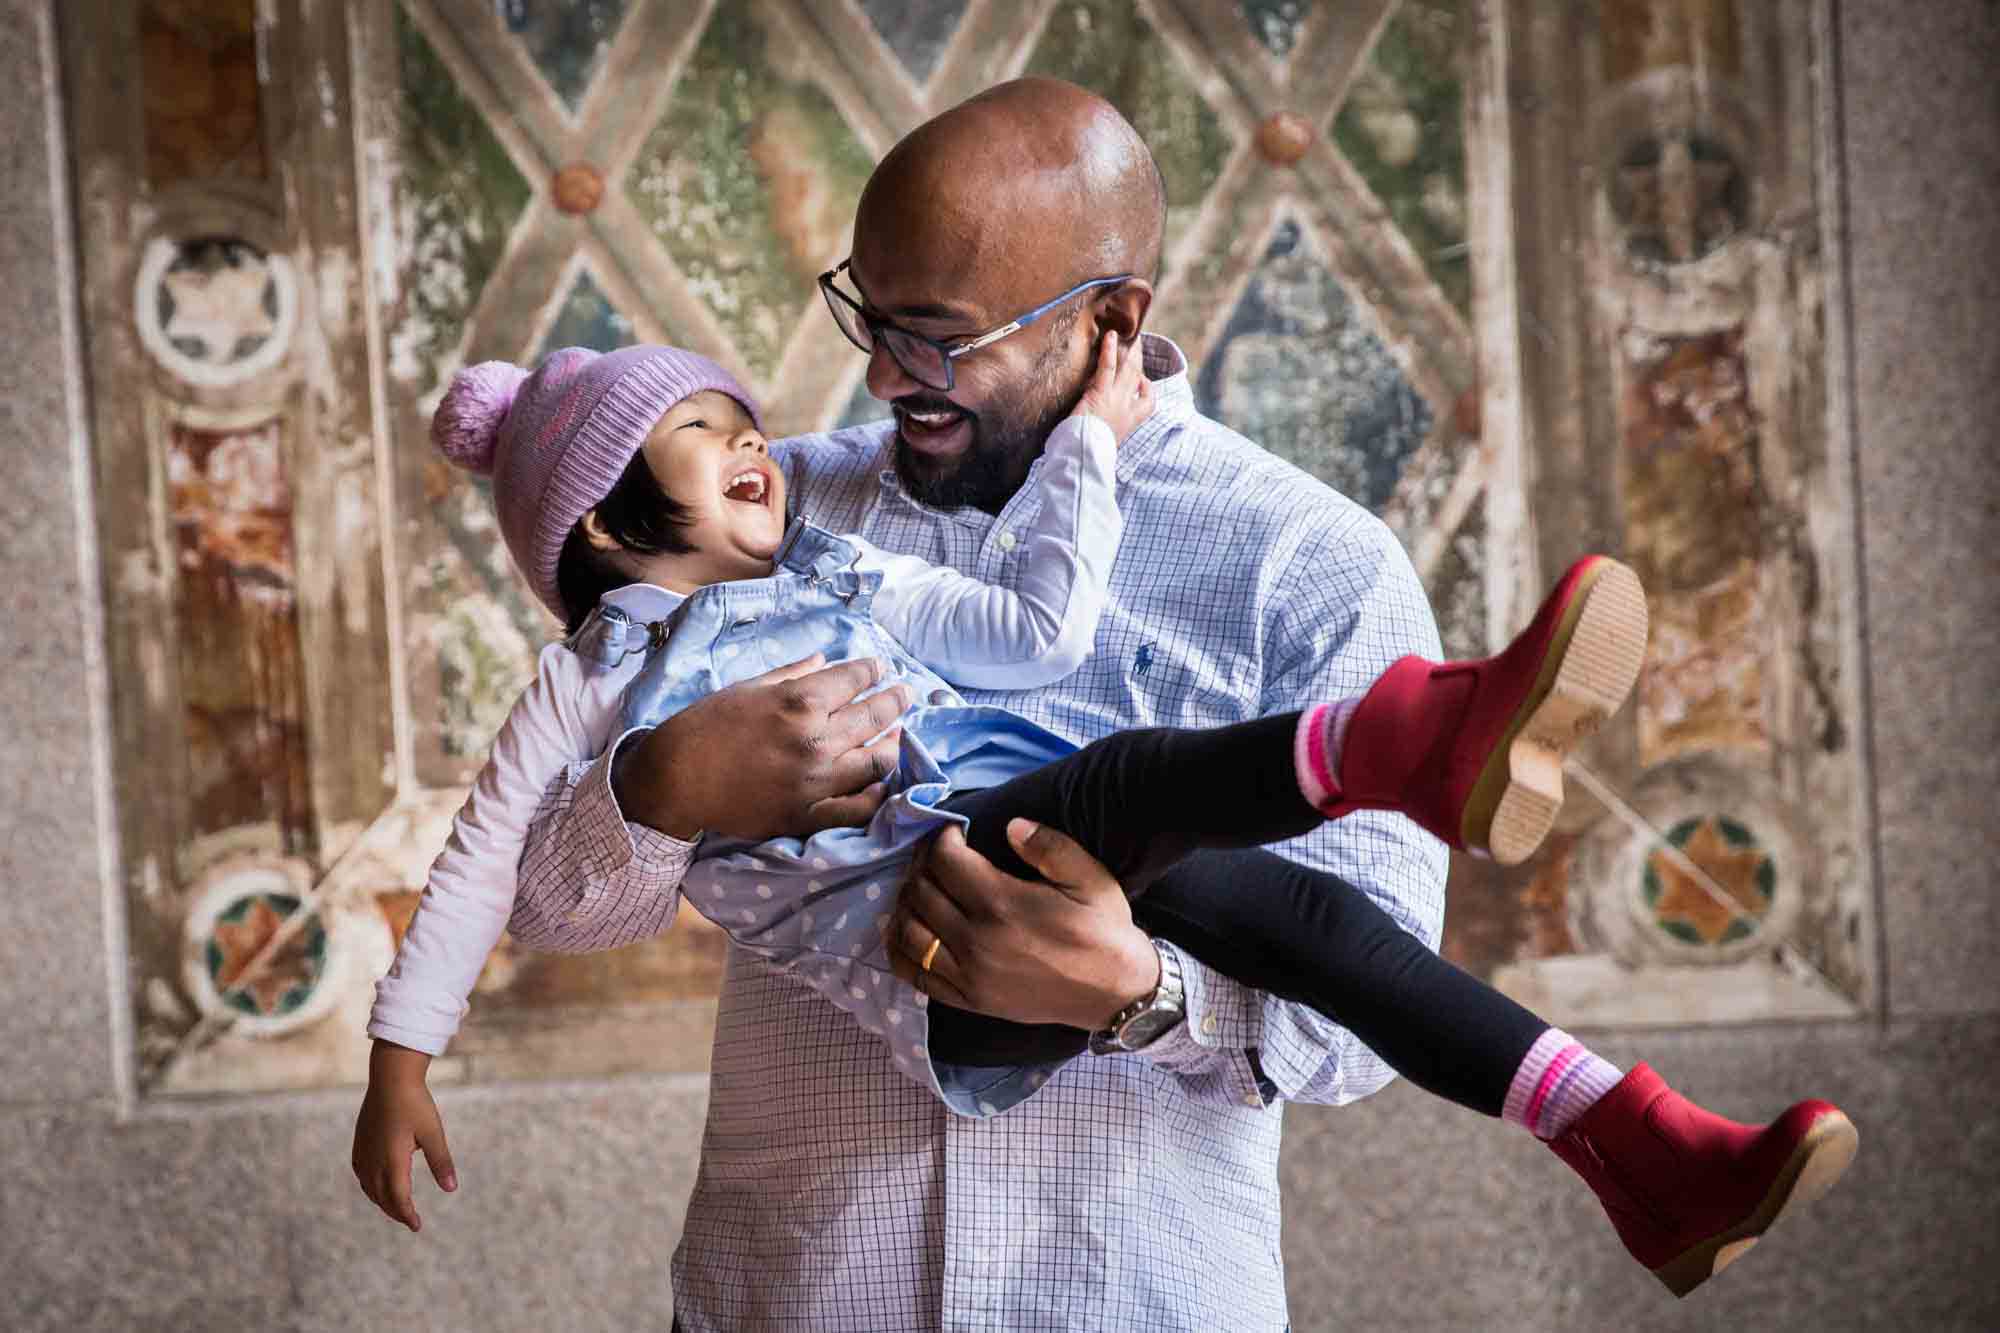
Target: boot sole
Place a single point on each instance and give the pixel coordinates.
(1819, 1160)
(1591, 665)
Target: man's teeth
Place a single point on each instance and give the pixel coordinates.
(932, 420)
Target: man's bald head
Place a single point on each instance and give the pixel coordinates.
(1036, 179)
(993, 209)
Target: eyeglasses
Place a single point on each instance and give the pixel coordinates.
(926, 360)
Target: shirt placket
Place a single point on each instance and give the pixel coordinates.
(975, 1257)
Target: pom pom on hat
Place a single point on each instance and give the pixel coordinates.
(466, 428)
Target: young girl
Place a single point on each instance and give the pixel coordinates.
(678, 573)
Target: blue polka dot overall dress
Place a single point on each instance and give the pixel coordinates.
(818, 908)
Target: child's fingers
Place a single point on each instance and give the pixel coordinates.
(1105, 373)
(438, 1154)
(397, 1189)
(1131, 369)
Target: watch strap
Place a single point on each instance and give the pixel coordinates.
(1168, 998)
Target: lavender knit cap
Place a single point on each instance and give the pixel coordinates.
(556, 441)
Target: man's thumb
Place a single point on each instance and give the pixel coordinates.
(1055, 856)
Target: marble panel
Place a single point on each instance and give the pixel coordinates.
(749, 181)
(1299, 369)
(916, 30)
(566, 39)
(1403, 128)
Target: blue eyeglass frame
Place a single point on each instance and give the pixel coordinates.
(948, 352)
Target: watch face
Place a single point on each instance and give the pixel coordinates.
(1145, 1028)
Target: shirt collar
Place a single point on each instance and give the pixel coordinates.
(644, 602)
(1173, 403)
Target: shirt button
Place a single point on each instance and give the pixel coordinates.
(1252, 1099)
(1209, 1025)
(939, 698)
(1007, 542)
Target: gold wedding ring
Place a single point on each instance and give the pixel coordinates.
(930, 954)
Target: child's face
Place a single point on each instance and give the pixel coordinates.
(708, 455)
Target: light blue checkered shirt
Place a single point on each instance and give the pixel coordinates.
(1137, 1191)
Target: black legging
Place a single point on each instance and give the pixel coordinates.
(1179, 818)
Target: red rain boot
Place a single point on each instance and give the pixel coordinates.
(1689, 1191)
(1473, 751)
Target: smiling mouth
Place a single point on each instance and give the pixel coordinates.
(935, 429)
(749, 486)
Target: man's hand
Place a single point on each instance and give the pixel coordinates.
(1061, 952)
(397, 1117)
(1119, 394)
(784, 754)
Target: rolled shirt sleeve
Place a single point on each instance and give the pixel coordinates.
(590, 879)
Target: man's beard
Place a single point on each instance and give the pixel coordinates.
(1004, 444)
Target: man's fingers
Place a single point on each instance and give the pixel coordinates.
(805, 666)
(829, 687)
(949, 858)
(854, 766)
(847, 811)
(933, 911)
(1057, 857)
(942, 989)
(910, 939)
(853, 723)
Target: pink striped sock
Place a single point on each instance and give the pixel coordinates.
(1316, 750)
(1559, 1079)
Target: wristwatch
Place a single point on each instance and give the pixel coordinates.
(1148, 1018)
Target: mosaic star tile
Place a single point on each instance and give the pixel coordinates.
(916, 30)
(459, 198)
(1298, 370)
(750, 181)
(567, 39)
(1403, 128)
(1111, 49)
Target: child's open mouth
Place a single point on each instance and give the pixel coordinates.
(935, 432)
(748, 487)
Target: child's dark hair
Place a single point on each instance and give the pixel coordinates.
(641, 517)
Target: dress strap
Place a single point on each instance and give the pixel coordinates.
(608, 636)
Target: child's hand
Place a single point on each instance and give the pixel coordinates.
(1119, 394)
(397, 1117)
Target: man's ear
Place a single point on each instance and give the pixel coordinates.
(594, 533)
(1123, 309)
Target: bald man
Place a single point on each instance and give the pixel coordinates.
(1137, 1189)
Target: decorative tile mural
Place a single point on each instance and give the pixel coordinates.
(535, 174)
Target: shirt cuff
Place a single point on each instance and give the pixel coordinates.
(429, 1043)
(1223, 1019)
(643, 856)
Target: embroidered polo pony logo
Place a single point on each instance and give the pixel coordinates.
(1142, 661)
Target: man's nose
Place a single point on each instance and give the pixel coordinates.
(887, 379)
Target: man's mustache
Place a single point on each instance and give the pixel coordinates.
(923, 404)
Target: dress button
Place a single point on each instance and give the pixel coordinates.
(1007, 542)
